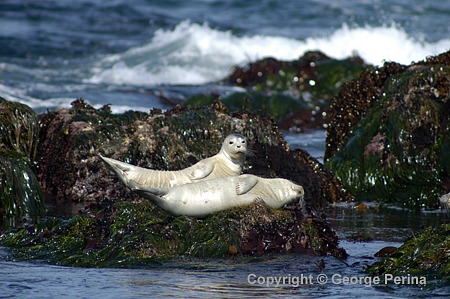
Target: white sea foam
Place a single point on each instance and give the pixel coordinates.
(197, 54)
(18, 95)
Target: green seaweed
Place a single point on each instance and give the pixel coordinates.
(426, 253)
(20, 193)
(333, 73)
(18, 128)
(277, 105)
(130, 234)
(398, 151)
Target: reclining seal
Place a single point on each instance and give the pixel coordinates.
(228, 162)
(210, 196)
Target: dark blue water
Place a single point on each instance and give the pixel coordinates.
(127, 53)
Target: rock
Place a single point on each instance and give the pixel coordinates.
(18, 128)
(20, 194)
(136, 233)
(276, 105)
(389, 138)
(314, 72)
(386, 251)
(70, 171)
(353, 101)
(120, 229)
(296, 93)
(423, 254)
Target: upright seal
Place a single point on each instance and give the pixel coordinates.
(210, 196)
(228, 162)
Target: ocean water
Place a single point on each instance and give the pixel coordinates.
(244, 277)
(133, 53)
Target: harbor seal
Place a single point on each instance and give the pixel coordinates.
(228, 162)
(210, 196)
(445, 201)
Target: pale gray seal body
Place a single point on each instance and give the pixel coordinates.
(210, 196)
(445, 201)
(228, 162)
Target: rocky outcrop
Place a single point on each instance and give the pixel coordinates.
(118, 228)
(389, 138)
(424, 254)
(296, 93)
(20, 196)
(70, 170)
(136, 233)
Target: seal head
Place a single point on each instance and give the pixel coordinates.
(234, 147)
(228, 162)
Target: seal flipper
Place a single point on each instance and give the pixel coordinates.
(153, 194)
(259, 199)
(202, 171)
(245, 183)
(153, 191)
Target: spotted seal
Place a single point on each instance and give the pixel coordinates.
(228, 162)
(210, 196)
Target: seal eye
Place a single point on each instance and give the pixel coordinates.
(243, 141)
(231, 142)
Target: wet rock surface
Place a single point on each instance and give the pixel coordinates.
(424, 254)
(389, 138)
(166, 141)
(20, 196)
(296, 93)
(117, 227)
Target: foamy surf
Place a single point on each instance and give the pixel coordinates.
(17, 95)
(197, 54)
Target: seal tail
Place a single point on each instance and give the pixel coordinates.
(121, 169)
(117, 166)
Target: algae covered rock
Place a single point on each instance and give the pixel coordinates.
(18, 128)
(20, 194)
(136, 233)
(424, 254)
(296, 93)
(117, 228)
(394, 146)
(314, 72)
(71, 171)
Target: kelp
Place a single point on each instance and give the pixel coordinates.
(18, 128)
(20, 193)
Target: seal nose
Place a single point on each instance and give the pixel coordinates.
(238, 146)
